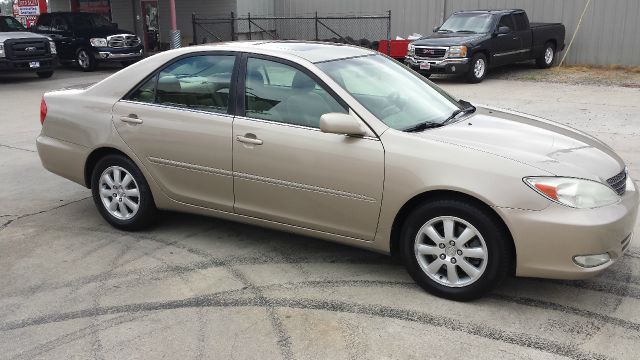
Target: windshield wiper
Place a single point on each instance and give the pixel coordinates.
(466, 31)
(445, 30)
(422, 126)
(468, 108)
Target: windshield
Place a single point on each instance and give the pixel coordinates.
(86, 20)
(10, 24)
(397, 96)
(470, 22)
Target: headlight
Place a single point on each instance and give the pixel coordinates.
(98, 42)
(458, 51)
(52, 47)
(576, 193)
(1, 50)
(411, 49)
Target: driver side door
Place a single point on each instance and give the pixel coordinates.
(507, 47)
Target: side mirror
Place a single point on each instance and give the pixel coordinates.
(435, 29)
(504, 30)
(338, 123)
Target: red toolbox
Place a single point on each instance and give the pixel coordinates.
(398, 48)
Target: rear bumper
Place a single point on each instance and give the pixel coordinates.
(45, 64)
(548, 240)
(63, 158)
(440, 66)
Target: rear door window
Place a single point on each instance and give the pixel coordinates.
(199, 82)
(520, 21)
(507, 20)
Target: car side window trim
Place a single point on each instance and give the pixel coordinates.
(241, 79)
(231, 110)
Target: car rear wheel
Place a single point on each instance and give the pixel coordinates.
(548, 56)
(454, 249)
(44, 74)
(477, 69)
(122, 194)
(85, 60)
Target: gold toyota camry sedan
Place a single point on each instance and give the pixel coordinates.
(344, 144)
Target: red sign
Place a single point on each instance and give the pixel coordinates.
(27, 11)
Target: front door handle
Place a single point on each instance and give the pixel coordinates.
(131, 119)
(249, 140)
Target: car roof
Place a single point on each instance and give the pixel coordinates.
(490, 11)
(312, 51)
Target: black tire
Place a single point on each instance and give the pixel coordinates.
(85, 59)
(146, 211)
(496, 238)
(45, 74)
(542, 61)
(472, 77)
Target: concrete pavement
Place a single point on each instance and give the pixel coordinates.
(71, 286)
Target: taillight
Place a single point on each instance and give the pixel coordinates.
(43, 110)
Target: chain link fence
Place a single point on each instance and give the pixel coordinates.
(362, 30)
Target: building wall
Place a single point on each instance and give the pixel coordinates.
(609, 34)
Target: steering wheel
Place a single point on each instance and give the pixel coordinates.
(395, 104)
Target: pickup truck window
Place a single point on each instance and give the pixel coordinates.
(395, 95)
(521, 21)
(467, 22)
(507, 20)
(88, 21)
(11, 24)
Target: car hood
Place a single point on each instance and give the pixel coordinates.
(19, 35)
(548, 146)
(448, 39)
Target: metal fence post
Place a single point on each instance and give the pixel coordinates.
(193, 24)
(389, 34)
(249, 19)
(316, 23)
(233, 27)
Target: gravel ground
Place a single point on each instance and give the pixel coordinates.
(574, 75)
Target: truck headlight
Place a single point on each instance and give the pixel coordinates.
(1, 50)
(411, 49)
(575, 193)
(98, 42)
(52, 47)
(458, 51)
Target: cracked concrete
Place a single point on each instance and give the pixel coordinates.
(195, 287)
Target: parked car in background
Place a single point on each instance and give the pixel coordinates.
(21, 50)
(471, 42)
(89, 39)
(343, 143)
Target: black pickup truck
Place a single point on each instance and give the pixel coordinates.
(88, 39)
(23, 51)
(471, 42)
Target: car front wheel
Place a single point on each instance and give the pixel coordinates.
(122, 194)
(454, 249)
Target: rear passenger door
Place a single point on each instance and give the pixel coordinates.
(178, 122)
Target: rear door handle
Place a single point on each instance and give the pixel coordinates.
(249, 140)
(131, 119)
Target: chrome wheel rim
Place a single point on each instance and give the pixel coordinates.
(119, 193)
(451, 251)
(478, 68)
(548, 55)
(83, 59)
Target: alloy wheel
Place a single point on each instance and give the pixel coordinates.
(479, 68)
(83, 59)
(548, 55)
(119, 193)
(451, 251)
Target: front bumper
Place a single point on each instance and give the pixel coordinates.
(119, 54)
(10, 65)
(439, 66)
(547, 240)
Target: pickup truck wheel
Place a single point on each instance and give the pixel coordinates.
(44, 74)
(454, 249)
(548, 56)
(86, 61)
(477, 69)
